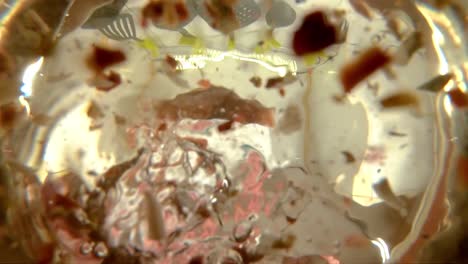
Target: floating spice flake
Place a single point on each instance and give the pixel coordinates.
(171, 62)
(348, 156)
(362, 67)
(315, 34)
(458, 98)
(101, 58)
(256, 81)
(401, 99)
(436, 84)
(278, 82)
(94, 111)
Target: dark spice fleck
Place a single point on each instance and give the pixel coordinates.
(364, 65)
(256, 81)
(281, 92)
(458, 98)
(291, 220)
(285, 242)
(172, 62)
(396, 134)
(197, 260)
(316, 33)
(273, 82)
(225, 126)
(9, 113)
(102, 58)
(400, 99)
(348, 156)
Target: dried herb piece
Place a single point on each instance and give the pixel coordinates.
(361, 67)
(315, 34)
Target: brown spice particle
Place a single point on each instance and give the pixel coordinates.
(364, 65)
(400, 99)
(103, 57)
(458, 98)
(315, 34)
(172, 62)
(256, 81)
(348, 156)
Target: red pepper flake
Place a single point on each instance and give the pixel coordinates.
(172, 62)
(256, 81)
(204, 83)
(316, 33)
(400, 100)
(364, 65)
(348, 156)
(458, 98)
(102, 58)
(225, 126)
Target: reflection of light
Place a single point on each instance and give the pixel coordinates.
(29, 75)
(269, 62)
(25, 104)
(437, 38)
(448, 106)
(383, 248)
